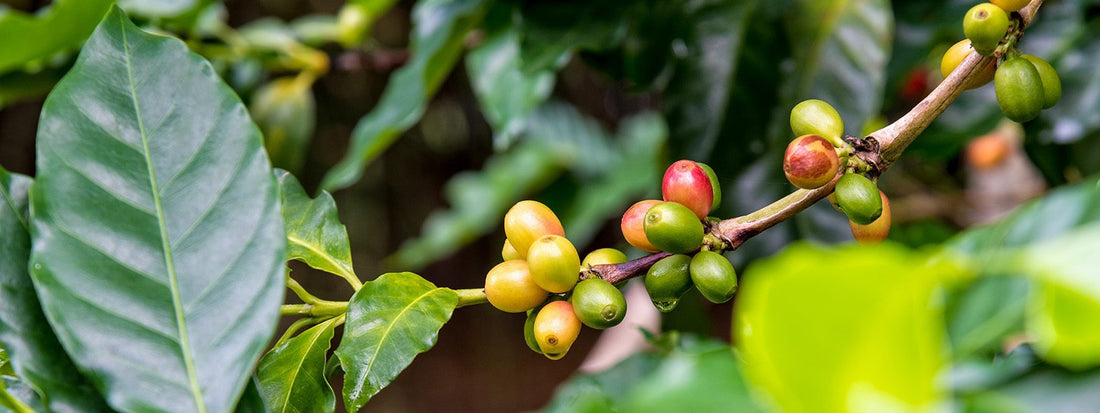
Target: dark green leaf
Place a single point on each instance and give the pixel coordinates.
(1048, 390)
(389, 321)
(16, 396)
(63, 26)
(605, 389)
(158, 249)
(36, 354)
(18, 86)
(437, 38)
(981, 315)
(314, 232)
(703, 381)
(157, 8)
(292, 375)
(252, 401)
(553, 32)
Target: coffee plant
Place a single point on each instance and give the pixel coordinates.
(146, 265)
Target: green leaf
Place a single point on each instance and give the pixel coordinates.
(284, 110)
(252, 401)
(389, 321)
(158, 248)
(314, 232)
(862, 334)
(293, 374)
(63, 26)
(552, 33)
(437, 38)
(157, 8)
(603, 390)
(16, 396)
(981, 315)
(36, 354)
(1047, 390)
(703, 381)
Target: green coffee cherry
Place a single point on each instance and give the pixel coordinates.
(529, 330)
(1019, 89)
(667, 281)
(816, 117)
(859, 198)
(1010, 5)
(985, 25)
(554, 263)
(1052, 85)
(604, 256)
(598, 304)
(716, 188)
(714, 276)
(876, 231)
(673, 228)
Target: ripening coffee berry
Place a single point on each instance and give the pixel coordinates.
(713, 276)
(556, 328)
(955, 55)
(859, 198)
(668, 280)
(716, 187)
(810, 162)
(603, 256)
(598, 304)
(529, 330)
(816, 117)
(527, 221)
(555, 265)
(673, 228)
(876, 231)
(633, 225)
(987, 151)
(687, 184)
(1052, 85)
(1019, 89)
(985, 25)
(508, 252)
(1010, 5)
(510, 288)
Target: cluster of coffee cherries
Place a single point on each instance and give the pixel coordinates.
(1025, 84)
(677, 225)
(812, 160)
(540, 275)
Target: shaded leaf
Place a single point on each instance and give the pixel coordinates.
(981, 315)
(439, 29)
(168, 306)
(1048, 390)
(284, 110)
(389, 321)
(603, 390)
(17, 396)
(252, 400)
(314, 232)
(157, 8)
(701, 381)
(292, 375)
(28, 37)
(552, 33)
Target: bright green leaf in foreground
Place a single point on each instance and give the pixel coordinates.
(158, 248)
(293, 374)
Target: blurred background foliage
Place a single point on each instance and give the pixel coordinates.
(427, 120)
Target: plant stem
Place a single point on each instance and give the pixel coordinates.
(301, 292)
(471, 296)
(321, 309)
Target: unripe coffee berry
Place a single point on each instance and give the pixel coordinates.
(859, 198)
(876, 231)
(527, 221)
(810, 162)
(529, 330)
(1010, 5)
(508, 252)
(633, 225)
(713, 276)
(816, 117)
(603, 256)
(716, 187)
(985, 25)
(673, 228)
(1019, 89)
(556, 328)
(687, 184)
(1052, 85)
(598, 304)
(555, 265)
(668, 280)
(510, 288)
(955, 55)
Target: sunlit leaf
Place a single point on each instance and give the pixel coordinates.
(293, 374)
(28, 37)
(314, 232)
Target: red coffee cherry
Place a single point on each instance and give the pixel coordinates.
(633, 225)
(687, 184)
(810, 162)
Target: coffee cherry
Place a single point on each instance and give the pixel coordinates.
(955, 55)
(987, 151)
(876, 231)
(1019, 89)
(985, 25)
(556, 328)
(633, 225)
(668, 280)
(529, 330)
(603, 256)
(510, 288)
(687, 183)
(859, 198)
(508, 252)
(810, 162)
(714, 276)
(715, 186)
(673, 228)
(528, 220)
(598, 304)
(555, 265)
(816, 117)
(1052, 85)
(1010, 5)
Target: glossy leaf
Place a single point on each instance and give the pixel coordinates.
(314, 232)
(36, 354)
(252, 401)
(437, 40)
(168, 307)
(293, 374)
(17, 396)
(157, 8)
(874, 322)
(389, 321)
(28, 37)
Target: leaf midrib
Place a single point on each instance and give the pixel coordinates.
(301, 362)
(173, 282)
(344, 272)
(386, 334)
